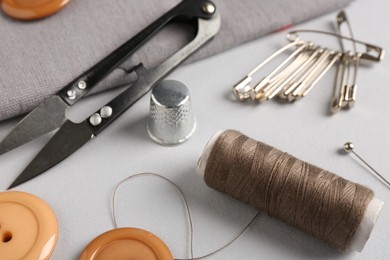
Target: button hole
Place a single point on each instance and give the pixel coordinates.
(7, 237)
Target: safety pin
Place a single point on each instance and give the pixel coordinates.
(344, 80)
(300, 61)
(276, 88)
(310, 74)
(318, 77)
(242, 90)
(339, 81)
(288, 74)
(267, 80)
(293, 36)
(350, 95)
(344, 84)
(347, 92)
(292, 84)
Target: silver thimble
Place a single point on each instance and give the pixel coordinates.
(171, 120)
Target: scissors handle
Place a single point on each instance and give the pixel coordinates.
(148, 78)
(81, 85)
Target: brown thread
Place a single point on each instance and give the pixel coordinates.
(316, 201)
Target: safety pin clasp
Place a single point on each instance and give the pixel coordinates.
(242, 90)
(380, 53)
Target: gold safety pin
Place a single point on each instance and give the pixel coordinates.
(293, 36)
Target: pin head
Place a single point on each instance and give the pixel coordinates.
(348, 147)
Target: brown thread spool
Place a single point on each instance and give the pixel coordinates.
(318, 202)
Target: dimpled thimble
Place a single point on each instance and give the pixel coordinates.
(171, 120)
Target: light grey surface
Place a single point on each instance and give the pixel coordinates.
(79, 188)
(39, 58)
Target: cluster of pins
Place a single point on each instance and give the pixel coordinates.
(296, 76)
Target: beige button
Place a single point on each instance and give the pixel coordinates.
(28, 227)
(126, 243)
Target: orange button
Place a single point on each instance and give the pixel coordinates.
(28, 227)
(32, 9)
(126, 243)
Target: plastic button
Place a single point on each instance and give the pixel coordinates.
(126, 243)
(28, 227)
(31, 10)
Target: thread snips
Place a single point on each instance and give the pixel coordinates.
(50, 114)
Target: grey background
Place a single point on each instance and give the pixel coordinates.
(79, 188)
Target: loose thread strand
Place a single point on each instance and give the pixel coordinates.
(177, 189)
(189, 218)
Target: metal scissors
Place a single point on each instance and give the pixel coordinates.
(50, 114)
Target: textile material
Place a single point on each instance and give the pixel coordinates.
(39, 58)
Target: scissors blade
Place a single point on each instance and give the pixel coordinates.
(69, 138)
(48, 116)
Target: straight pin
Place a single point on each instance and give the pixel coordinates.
(349, 148)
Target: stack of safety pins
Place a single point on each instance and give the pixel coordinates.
(295, 76)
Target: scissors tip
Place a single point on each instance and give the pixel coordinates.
(13, 185)
(16, 182)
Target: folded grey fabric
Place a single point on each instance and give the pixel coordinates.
(39, 58)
